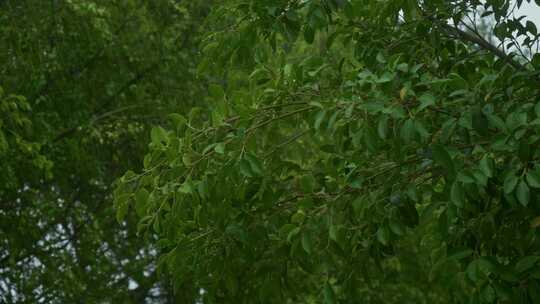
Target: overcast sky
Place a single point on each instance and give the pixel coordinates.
(532, 11)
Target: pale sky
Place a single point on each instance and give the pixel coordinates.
(532, 11)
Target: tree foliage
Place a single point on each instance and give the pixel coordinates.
(352, 151)
(82, 81)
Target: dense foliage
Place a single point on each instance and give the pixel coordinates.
(81, 82)
(352, 152)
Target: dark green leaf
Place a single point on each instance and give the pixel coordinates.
(510, 183)
(533, 178)
(526, 263)
(441, 157)
(486, 165)
(523, 193)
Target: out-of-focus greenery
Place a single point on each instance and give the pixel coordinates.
(81, 81)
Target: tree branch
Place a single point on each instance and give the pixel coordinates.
(482, 43)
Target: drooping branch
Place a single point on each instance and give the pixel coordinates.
(482, 43)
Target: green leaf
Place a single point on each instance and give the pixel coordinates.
(457, 195)
(488, 294)
(486, 165)
(333, 233)
(370, 138)
(533, 178)
(307, 183)
(382, 127)
(292, 234)
(121, 212)
(383, 235)
(141, 199)
(386, 77)
(496, 122)
(309, 34)
(186, 187)
(202, 188)
(479, 122)
(232, 284)
(396, 227)
(479, 269)
(220, 148)
(524, 151)
(178, 120)
(536, 59)
(527, 263)
(531, 27)
(408, 131)
(426, 100)
(380, 57)
(216, 91)
(510, 183)
(307, 243)
(523, 193)
(441, 157)
(298, 217)
(159, 136)
(480, 177)
(254, 164)
(245, 168)
(236, 232)
(329, 295)
(447, 129)
(319, 119)
(461, 254)
(465, 177)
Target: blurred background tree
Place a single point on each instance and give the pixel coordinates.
(81, 82)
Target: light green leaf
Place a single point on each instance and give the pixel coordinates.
(329, 295)
(319, 119)
(307, 243)
(220, 148)
(426, 100)
(298, 217)
(382, 127)
(292, 234)
(141, 198)
(178, 120)
(121, 212)
(383, 235)
(186, 188)
(386, 77)
(159, 136)
(333, 233)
